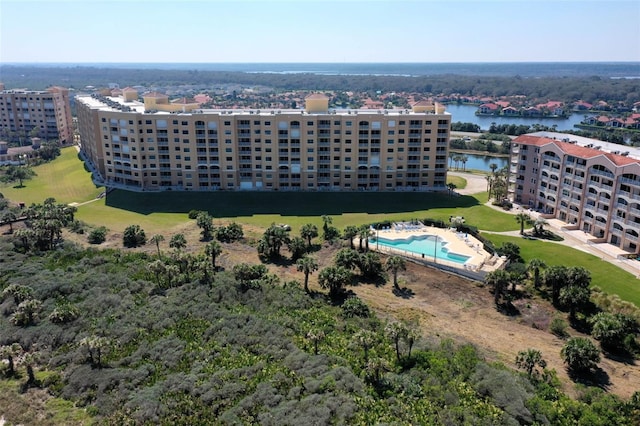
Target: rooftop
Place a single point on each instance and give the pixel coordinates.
(111, 103)
(592, 146)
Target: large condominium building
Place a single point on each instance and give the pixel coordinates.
(26, 114)
(589, 184)
(157, 144)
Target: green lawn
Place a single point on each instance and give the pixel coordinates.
(608, 277)
(65, 179)
(458, 181)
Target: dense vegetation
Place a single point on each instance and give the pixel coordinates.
(135, 343)
(568, 89)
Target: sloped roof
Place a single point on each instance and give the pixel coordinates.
(574, 149)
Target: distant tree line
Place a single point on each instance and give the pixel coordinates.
(567, 89)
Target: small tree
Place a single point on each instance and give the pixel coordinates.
(306, 265)
(334, 278)
(522, 219)
(365, 339)
(315, 337)
(395, 264)
(396, 332)
(178, 241)
(97, 235)
(18, 173)
(9, 217)
(10, 352)
(157, 239)
(205, 223)
(134, 236)
(613, 330)
(534, 266)
(213, 250)
(27, 312)
(350, 232)
(580, 354)
(499, 281)
(529, 359)
(309, 231)
(297, 247)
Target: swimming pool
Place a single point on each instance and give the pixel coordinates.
(426, 245)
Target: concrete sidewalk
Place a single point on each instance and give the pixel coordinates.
(578, 240)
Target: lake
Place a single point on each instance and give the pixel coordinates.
(467, 114)
(480, 162)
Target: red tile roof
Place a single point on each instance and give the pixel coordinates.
(573, 149)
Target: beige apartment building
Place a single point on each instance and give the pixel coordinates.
(26, 114)
(158, 145)
(591, 185)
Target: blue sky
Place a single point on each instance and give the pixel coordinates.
(319, 31)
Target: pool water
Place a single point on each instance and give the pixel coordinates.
(424, 245)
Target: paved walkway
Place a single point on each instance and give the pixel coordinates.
(572, 238)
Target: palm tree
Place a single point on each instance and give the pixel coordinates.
(395, 264)
(307, 265)
(363, 235)
(451, 187)
(157, 239)
(316, 336)
(522, 219)
(365, 339)
(535, 265)
(499, 280)
(213, 250)
(350, 232)
(308, 232)
(528, 360)
(464, 160)
(334, 278)
(538, 225)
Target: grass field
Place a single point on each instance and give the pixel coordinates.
(65, 179)
(458, 181)
(608, 277)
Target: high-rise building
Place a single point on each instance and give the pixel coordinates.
(44, 114)
(591, 185)
(157, 144)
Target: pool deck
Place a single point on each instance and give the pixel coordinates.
(479, 261)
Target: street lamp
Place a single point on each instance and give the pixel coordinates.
(435, 250)
(377, 236)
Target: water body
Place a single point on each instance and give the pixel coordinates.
(467, 114)
(504, 69)
(479, 162)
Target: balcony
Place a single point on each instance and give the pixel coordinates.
(630, 181)
(601, 173)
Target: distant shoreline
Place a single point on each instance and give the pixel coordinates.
(614, 70)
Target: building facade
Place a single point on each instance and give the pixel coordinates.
(26, 114)
(591, 185)
(177, 146)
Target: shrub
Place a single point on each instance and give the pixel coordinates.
(194, 213)
(134, 236)
(98, 235)
(558, 327)
(580, 354)
(355, 307)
